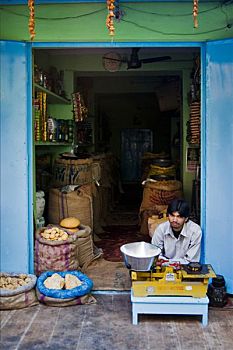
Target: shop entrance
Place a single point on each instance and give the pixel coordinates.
(162, 99)
(18, 166)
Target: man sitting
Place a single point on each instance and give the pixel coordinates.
(179, 238)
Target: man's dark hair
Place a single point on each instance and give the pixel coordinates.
(179, 205)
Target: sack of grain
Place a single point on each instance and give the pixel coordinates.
(146, 224)
(86, 250)
(154, 221)
(17, 290)
(76, 203)
(158, 194)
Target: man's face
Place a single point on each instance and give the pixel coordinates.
(176, 221)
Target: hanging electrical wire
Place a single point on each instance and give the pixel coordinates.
(160, 14)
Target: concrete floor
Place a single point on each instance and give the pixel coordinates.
(107, 325)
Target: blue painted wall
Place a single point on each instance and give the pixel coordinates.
(219, 158)
(15, 189)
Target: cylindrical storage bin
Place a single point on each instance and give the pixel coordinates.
(156, 170)
(17, 291)
(72, 172)
(57, 255)
(148, 159)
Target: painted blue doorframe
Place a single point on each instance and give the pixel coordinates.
(16, 152)
(219, 158)
(17, 242)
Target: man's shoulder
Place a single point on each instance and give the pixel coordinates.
(193, 226)
(192, 223)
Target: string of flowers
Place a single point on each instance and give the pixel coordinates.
(31, 23)
(195, 13)
(110, 17)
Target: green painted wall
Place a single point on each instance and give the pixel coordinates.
(141, 22)
(145, 22)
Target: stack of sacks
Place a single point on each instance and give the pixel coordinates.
(156, 197)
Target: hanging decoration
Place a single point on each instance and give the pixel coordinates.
(195, 13)
(31, 23)
(110, 17)
(194, 123)
(80, 111)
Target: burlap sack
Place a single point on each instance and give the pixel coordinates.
(19, 301)
(76, 203)
(86, 250)
(154, 221)
(55, 255)
(86, 299)
(19, 298)
(158, 194)
(144, 217)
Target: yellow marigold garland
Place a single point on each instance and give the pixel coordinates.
(31, 23)
(195, 13)
(110, 16)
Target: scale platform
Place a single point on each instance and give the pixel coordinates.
(172, 281)
(169, 305)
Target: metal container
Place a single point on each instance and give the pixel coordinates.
(139, 256)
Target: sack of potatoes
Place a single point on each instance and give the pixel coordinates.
(62, 232)
(54, 234)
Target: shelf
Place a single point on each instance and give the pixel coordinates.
(48, 143)
(84, 144)
(52, 97)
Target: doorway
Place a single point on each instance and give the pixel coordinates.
(157, 96)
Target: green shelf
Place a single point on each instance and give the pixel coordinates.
(52, 97)
(44, 143)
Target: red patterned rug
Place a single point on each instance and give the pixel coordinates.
(115, 236)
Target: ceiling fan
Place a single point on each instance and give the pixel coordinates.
(134, 61)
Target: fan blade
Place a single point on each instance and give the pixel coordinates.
(155, 59)
(115, 59)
